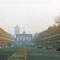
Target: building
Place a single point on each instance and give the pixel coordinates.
(22, 38)
(17, 30)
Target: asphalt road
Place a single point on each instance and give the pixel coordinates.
(37, 54)
(42, 54)
(32, 57)
(5, 53)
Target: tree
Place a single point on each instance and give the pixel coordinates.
(57, 20)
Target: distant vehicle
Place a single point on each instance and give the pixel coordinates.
(39, 46)
(32, 45)
(49, 47)
(58, 50)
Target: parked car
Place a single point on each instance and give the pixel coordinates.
(49, 47)
(39, 46)
(58, 50)
(32, 45)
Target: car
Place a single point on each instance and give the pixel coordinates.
(39, 46)
(49, 47)
(32, 45)
(58, 50)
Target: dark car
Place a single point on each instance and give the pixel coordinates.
(58, 50)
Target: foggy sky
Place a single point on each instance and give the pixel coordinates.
(30, 15)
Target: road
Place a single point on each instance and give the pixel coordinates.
(32, 57)
(33, 53)
(5, 53)
(42, 54)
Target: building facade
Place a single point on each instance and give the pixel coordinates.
(22, 38)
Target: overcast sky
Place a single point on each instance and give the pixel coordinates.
(32, 15)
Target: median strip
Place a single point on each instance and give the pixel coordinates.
(19, 55)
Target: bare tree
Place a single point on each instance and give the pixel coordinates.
(57, 20)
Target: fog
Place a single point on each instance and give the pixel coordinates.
(30, 15)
